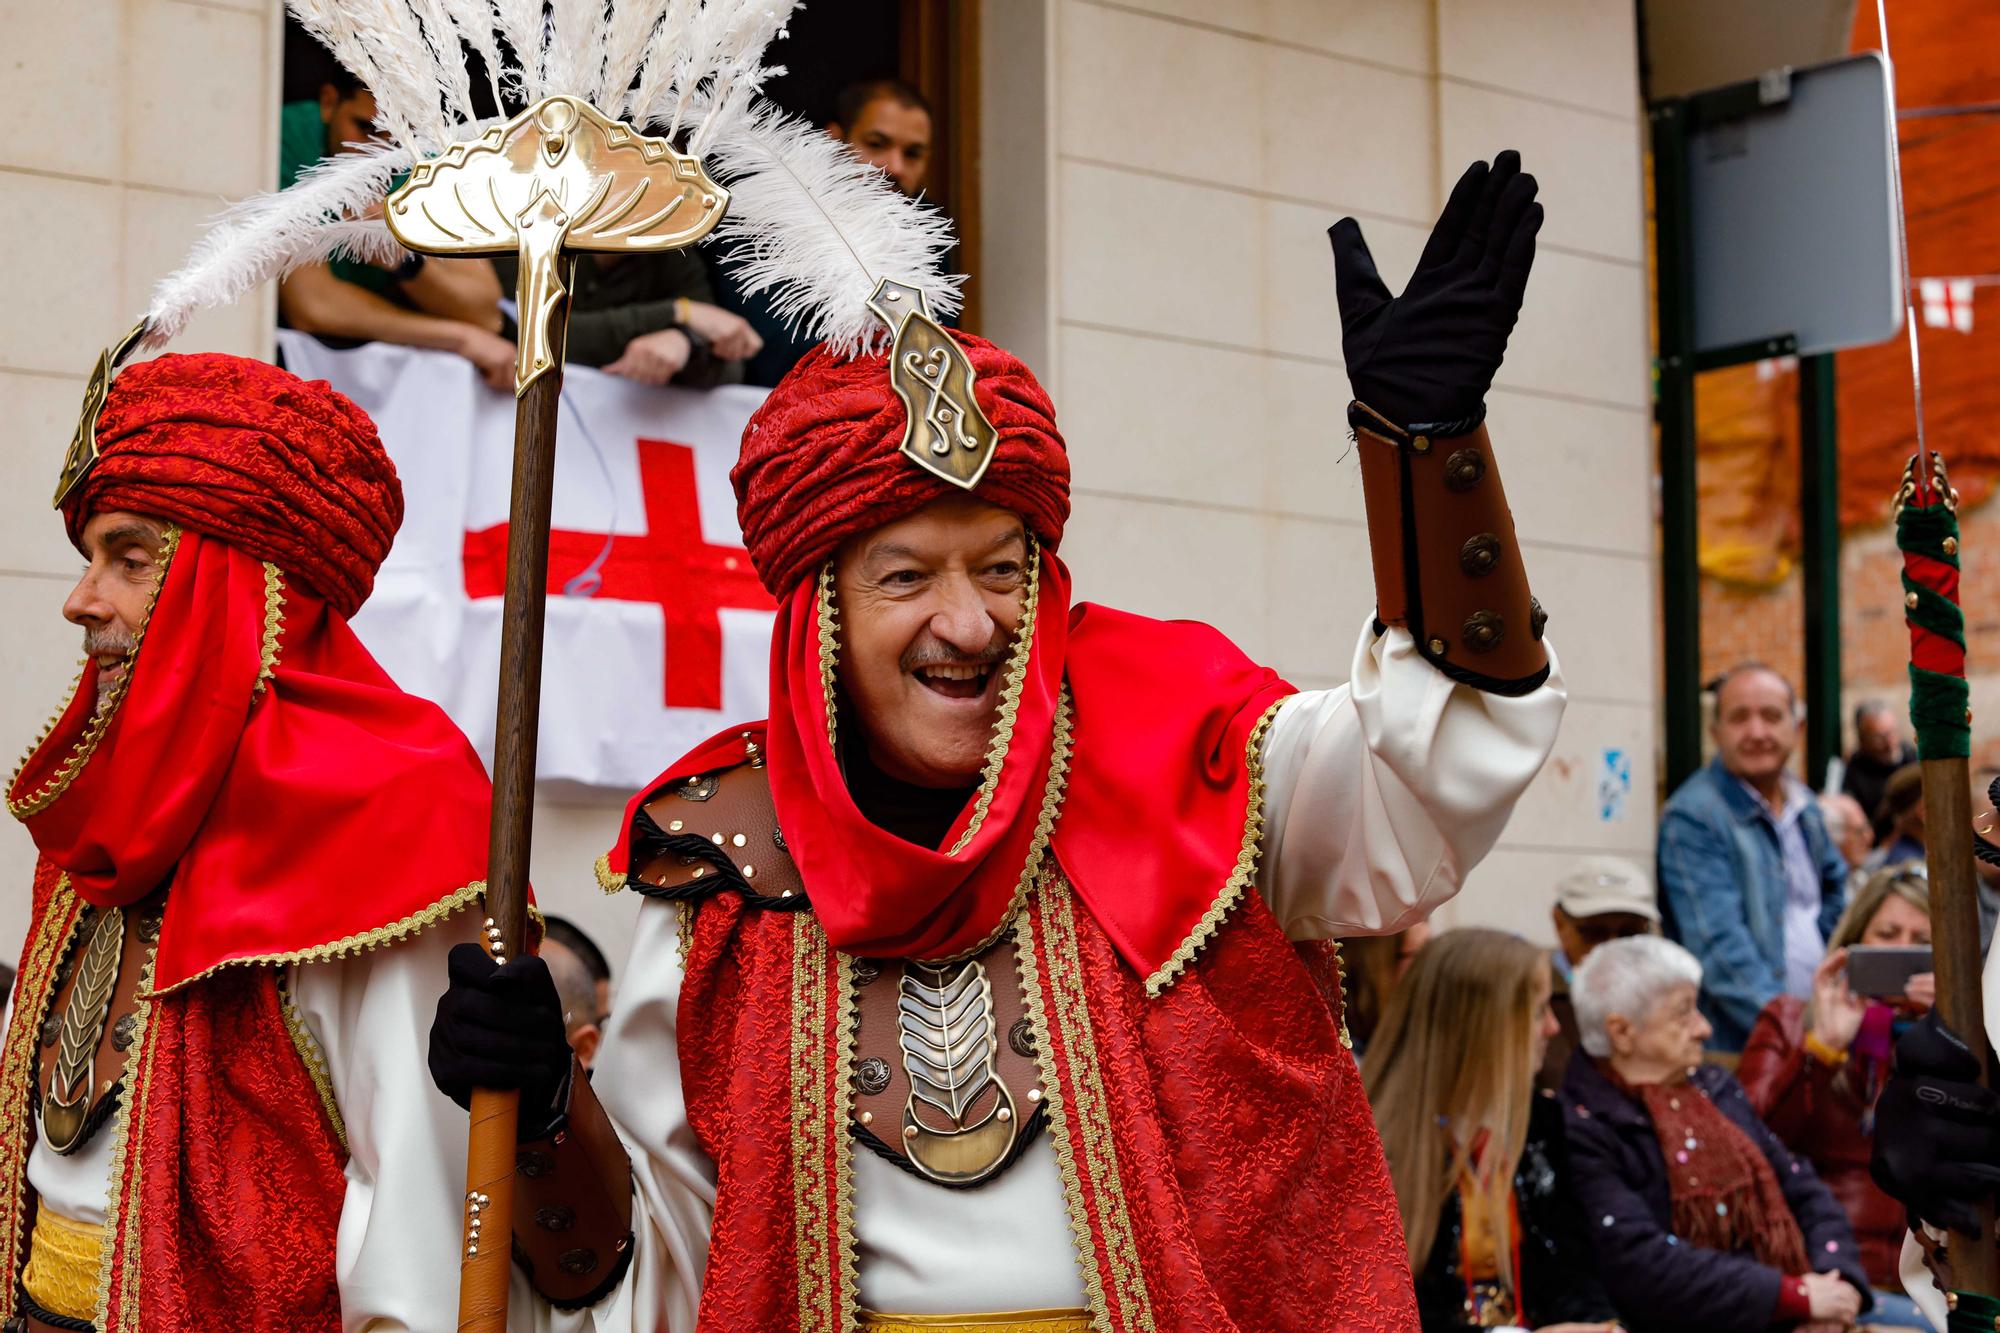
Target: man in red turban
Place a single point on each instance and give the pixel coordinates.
(254, 852)
(966, 990)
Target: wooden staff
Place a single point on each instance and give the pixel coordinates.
(559, 178)
(1927, 533)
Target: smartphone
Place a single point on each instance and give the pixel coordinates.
(1885, 971)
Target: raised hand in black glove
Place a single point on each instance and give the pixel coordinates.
(1426, 358)
(501, 1026)
(1937, 1131)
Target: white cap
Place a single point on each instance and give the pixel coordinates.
(1600, 885)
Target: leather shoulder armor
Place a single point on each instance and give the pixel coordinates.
(711, 832)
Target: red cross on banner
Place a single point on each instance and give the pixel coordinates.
(671, 566)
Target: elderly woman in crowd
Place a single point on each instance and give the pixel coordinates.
(1489, 1209)
(1702, 1219)
(1813, 1070)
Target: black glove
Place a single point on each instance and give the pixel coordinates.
(501, 1026)
(1937, 1131)
(1427, 357)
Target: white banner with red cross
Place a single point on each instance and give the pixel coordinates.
(658, 632)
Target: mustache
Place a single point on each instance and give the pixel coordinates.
(99, 642)
(935, 654)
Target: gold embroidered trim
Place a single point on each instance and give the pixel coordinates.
(1028, 941)
(274, 625)
(606, 879)
(685, 911)
(313, 1059)
(1045, 822)
(1093, 1109)
(1340, 980)
(51, 791)
(122, 1225)
(843, 1142)
(33, 993)
(1239, 879)
(1013, 1321)
(1010, 702)
(395, 932)
(63, 1258)
(812, 1107)
(829, 653)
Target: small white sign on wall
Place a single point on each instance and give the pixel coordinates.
(1614, 785)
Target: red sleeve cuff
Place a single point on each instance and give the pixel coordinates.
(1793, 1303)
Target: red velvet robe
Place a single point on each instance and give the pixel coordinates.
(229, 1168)
(1220, 1161)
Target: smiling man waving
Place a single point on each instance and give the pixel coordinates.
(964, 993)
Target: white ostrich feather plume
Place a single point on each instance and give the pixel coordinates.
(807, 219)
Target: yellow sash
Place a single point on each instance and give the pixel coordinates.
(1015, 1321)
(61, 1273)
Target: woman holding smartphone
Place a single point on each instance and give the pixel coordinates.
(1814, 1068)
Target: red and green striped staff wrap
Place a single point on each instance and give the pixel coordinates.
(1927, 535)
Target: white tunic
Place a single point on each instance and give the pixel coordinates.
(1380, 795)
(397, 1258)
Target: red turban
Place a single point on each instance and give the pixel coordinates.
(283, 470)
(822, 458)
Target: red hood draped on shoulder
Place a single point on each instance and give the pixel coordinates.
(1127, 745)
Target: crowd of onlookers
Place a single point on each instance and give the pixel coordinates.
(1670, 1123)
(673, 318)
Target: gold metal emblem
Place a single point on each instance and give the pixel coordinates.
(946, 433)
(66, 1110)
(560, 176)
(959, 1123)
(82, 456)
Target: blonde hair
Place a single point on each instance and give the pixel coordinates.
(1908, 882)
(1453, 1056)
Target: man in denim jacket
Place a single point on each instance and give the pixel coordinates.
(1749, 879)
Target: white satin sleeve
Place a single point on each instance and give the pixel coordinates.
(1380, 794)
(637, 1080)
(397, 1252)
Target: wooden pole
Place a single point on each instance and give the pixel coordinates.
(1975, 1262)
(486, 1258)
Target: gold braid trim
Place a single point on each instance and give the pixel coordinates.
(395, 932)
(34, 992)
(1045, 822)
(1016, 1321)
(1010, 703)
(845, 1032)
(312, 1058)
(1241, 878)
(274, 625)
(1093, 1106)
(51, 791)
(686, 911)
(829, 653)
(812, 1107)
(122, 1224)
(606, 880)
(1028, 942)
(1340, 979)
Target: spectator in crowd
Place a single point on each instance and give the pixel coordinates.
(1749, 879)
(1900, 820)
(1879, 750)
(577, 990)
(1604, 898)
(888, 124)
(1813, 1071)
(1481, 1175)
(1701, 1217)
(652, 319)
(1848, 825)
(561, 930)
(1370, 968)
(449, 304)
